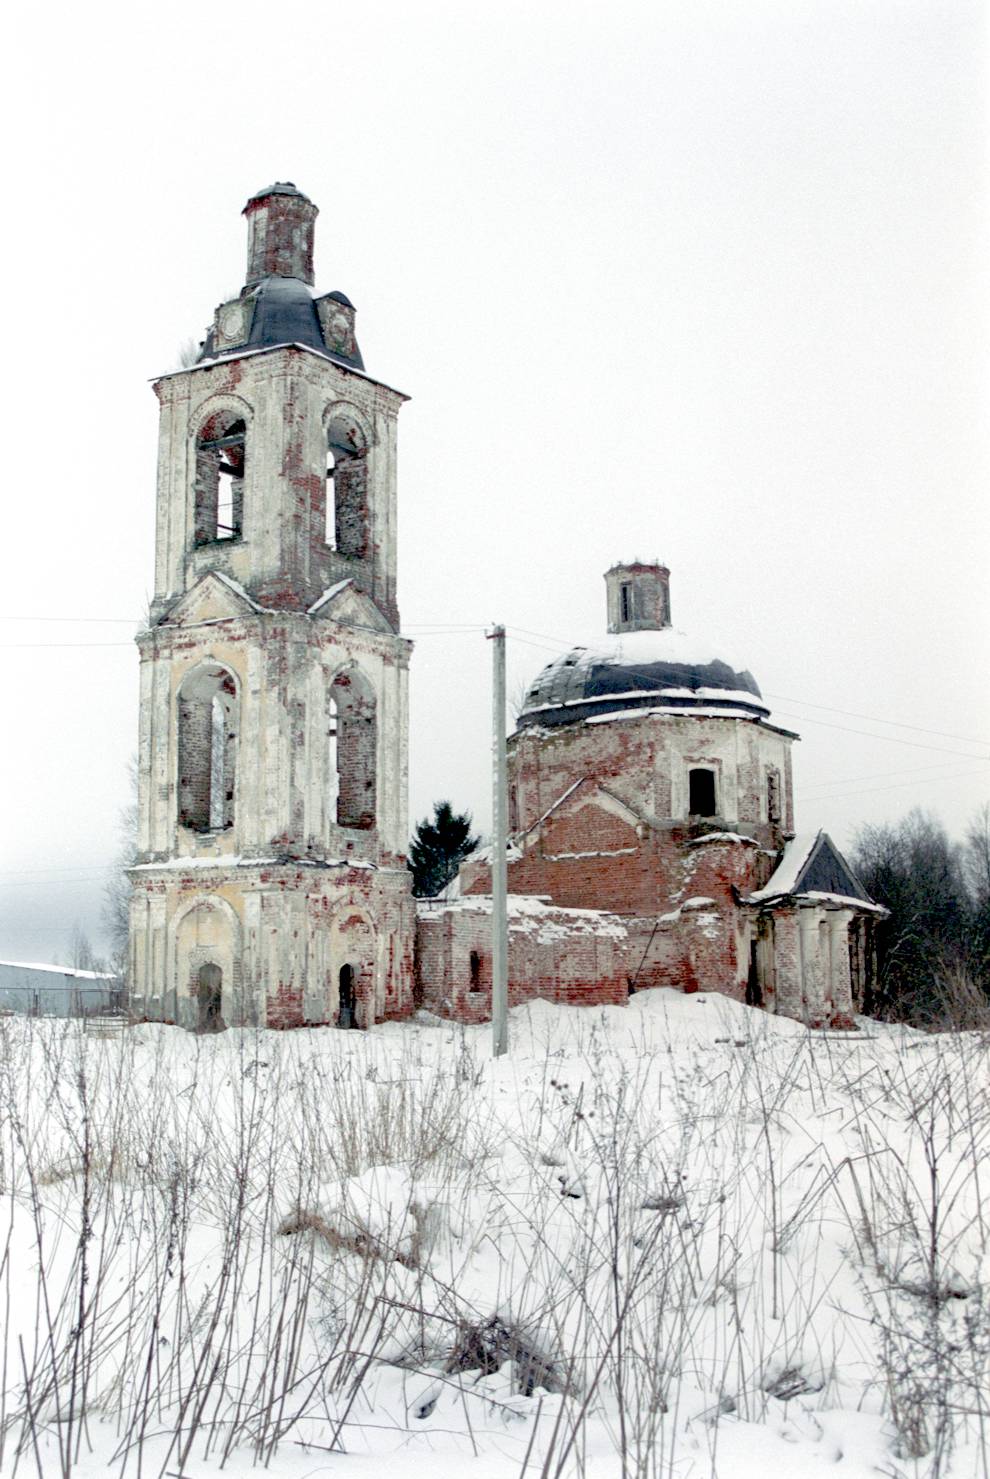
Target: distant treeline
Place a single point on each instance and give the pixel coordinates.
(934, 950)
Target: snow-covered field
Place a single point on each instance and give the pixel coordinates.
(680, 1238)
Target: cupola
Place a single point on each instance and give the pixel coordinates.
(280, 233)
(638, 598)
(644, 663)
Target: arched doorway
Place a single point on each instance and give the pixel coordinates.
(345, 1014)
(209, 990)
(754, 983)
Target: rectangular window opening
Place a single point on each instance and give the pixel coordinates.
(702, 802)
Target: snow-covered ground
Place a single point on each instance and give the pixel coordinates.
(676, 1239)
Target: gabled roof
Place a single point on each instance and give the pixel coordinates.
(346, 603)
(214, 597)
(811, 866)
(568, 798)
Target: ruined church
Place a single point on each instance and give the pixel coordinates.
(651, 807)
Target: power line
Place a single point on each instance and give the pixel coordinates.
(67, 868)
(883, 775)
(10, 646)
(966, 739)
(787, 699)
(460, 626)
(561, 642)
(872, 790)
(455, 631)
(106, 620)
(808, 719)
(644, 677)
(890, 739)
(59, 883)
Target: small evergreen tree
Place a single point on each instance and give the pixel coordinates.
(438, 847)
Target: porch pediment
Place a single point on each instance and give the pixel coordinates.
(346, 604)
(214, 597)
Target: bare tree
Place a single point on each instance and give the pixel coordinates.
(82, 956)
(117, 889)
(917, 873)
(976, 854)
(976, 866)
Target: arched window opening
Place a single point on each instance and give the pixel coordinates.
(475, 969)
(347, 488)
(353, 750)
(207, 716)
(773, 796)
(625, 600)
(702, 801)
(220, 463)
(332, 786)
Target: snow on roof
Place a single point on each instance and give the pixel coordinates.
(238, 589)
(328, 594)
(783, 879)
(706, 711)
(222, 860)
(60, 970)
(219, 359)
(808, 861)
(533, 914)
(721, 837)
(484, 854)
(818, 896)
(689, 695)
(670, 644)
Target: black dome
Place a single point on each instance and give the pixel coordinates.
(285, 313)
(639, 670)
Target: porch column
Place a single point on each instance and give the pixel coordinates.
(812, 967)
(787, 963)
(838, 923)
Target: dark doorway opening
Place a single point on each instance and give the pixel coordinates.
(754, 991)
(209, 989)
(345, 1015)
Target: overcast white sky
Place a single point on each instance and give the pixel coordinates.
(699, 280)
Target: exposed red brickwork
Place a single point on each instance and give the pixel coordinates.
(280, 237)
(553, 955)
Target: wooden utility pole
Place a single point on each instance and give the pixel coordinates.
(500, 933)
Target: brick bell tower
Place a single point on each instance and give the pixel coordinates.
(271, 885)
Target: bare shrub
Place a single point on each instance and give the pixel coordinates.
(486, 1345)
(961, 1003)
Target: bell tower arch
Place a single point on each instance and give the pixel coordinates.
(273, 711)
